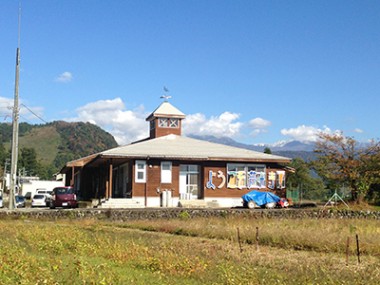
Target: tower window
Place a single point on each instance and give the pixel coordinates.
(168, 122)
(173, 123)
(163, 122)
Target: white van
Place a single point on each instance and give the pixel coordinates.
(44, 191)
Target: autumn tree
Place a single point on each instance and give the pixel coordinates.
(343, 161)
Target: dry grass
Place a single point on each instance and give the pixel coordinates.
(328, 235)
(184, 251)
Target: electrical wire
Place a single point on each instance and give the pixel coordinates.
(34, 113)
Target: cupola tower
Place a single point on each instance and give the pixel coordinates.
(165, 120)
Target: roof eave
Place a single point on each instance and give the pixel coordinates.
(195, 158)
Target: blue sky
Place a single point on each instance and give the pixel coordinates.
(256, 71)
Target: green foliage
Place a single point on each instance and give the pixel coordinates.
(373, 195)
(267, 150)
(45, 149)
(184, 215)
(303, 180)
(28, 159)
(5, 132)
(3, 156)
(24, 128)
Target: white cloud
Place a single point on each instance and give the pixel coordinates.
(223, 125)
(130, 125)
(111, 115)
(64, 77)
(6, 108)
(359, 131)
(25, 112)
(259, 125)
(305, 133)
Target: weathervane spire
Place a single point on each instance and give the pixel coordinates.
(166, 97)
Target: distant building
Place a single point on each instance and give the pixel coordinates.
(170, 170)
(29, 185)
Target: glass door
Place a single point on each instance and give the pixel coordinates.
(189, 180)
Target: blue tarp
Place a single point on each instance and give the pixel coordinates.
(260, 198)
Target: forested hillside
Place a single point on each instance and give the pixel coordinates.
(44, 149)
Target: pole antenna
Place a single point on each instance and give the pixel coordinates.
(19, 25)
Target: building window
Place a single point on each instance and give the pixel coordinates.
(166, 172)
(163, 122)
(246, 176)
(140, 171)
(168, 122)
(173, 123)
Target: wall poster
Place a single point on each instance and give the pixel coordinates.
(246, 176)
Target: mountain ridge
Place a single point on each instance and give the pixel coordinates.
(57, 142)
(291, 149)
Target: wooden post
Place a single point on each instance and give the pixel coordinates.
(347, 250)
(257, 238)
(72, 176)
(357, 248)
(110, 180)
(238, 234)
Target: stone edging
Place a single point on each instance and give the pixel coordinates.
(170, 213)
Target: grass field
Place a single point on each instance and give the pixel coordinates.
(189, 251)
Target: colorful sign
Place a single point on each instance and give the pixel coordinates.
(240, 179)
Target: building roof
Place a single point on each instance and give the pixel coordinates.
(174, 147)
(166, 110)
(184, 148)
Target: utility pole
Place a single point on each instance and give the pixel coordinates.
(5, 174)
(16, 109)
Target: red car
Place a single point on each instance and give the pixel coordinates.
(63, 197)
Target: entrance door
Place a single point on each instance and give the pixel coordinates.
(189, 180)
(121, 185)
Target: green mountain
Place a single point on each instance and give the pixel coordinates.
(58, 142)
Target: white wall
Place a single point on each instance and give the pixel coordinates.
(226, 202)
(33, 185)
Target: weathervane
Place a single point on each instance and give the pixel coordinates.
(166, 96)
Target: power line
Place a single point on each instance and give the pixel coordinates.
(34, 113)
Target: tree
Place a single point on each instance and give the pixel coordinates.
(28, 163)
(28, 160)
(303, 179)
(267, 150)
(2, 159)
(342, 161)
(3, 155)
